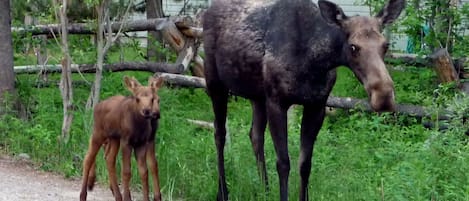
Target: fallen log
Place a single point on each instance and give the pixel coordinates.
(426, 61)
(408, 59)
(129, 26)
(90, 68)
(336, 102)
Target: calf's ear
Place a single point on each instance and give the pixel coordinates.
(331, 12)
(391, 11)
(155, 83)
(131, 83)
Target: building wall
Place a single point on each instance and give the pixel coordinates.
(350, 7)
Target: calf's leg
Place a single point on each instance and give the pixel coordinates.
(311, 123)
(277, 118)
(92, 176)
(90, 158)
(256, 134)
(126, 171)
(153, 164)
(111, 150)
(140, 155)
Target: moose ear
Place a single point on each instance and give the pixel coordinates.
(391, 11)
(331, 12)
(155, 83)
(131, 83)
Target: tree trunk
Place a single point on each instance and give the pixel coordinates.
(103, 17)
(66, 78)
(7, 75)
(154, 10)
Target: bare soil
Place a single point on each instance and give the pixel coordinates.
(20, 181)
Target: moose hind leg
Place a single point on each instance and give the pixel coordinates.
(88, 162)
(256, 134)
(311, 123)
(126, 170)
(219, 99)
(277, 119)
(111, 150)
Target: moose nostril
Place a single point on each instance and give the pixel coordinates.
(146, 112)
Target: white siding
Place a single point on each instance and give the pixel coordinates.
(171, 7)
(350, 7)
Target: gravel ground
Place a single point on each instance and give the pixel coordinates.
(19, 181)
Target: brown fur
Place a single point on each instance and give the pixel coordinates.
(126, 121)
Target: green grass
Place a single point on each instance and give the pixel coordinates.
(357, 156)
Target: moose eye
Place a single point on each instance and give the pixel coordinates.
(354, 49)
(137, 99)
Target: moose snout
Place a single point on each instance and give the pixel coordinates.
(382, 98)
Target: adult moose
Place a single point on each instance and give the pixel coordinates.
(284, 52)
(129, 123)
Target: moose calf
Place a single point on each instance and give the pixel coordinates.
(131, 122)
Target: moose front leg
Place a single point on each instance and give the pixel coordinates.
(140, 155)
(313, 118)
(219, 104)
(153, 164)
(277, 118)
(126, 169)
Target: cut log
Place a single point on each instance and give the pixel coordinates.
(171, 34)
(336, 102)
(203, 124)
(90, 68)
(443, 65)
(182, 80)
(198, 68)
(186, 54)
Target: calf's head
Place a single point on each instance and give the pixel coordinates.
(144, 97)
(365, 49)
(155, 110)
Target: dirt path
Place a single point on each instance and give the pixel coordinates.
(20, 181)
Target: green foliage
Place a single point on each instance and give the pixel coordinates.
(357, 156)
(431, 24)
